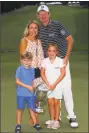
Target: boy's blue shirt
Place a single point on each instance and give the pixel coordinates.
(26, 76)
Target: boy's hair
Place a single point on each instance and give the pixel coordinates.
(27, 26)
(26, 55)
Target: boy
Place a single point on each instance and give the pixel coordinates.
(25, 91)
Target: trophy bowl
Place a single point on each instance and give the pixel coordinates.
(41, 95)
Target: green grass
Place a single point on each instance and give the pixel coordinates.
(79, 72)
(13, 24)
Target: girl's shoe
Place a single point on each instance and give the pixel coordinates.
(51, 122)
(55, 125)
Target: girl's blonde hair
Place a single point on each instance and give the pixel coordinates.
(53, 45)
(27, 26)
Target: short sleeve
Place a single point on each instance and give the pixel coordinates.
(63, 31)
(23, 45)
(17, 75)
(62, 63)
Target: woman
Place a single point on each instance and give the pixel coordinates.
(31, 43)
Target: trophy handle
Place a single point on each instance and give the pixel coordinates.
(39, 105)
(39, 109)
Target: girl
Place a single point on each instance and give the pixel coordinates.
(52, 72)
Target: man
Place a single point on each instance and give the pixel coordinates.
(54, 32)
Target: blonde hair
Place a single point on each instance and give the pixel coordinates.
(53, 45)
(27, 26)
(26, 55)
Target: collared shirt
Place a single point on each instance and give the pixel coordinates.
(52, 70)
(54, 32)
(26, 76)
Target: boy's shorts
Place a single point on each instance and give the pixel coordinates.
(29, 102)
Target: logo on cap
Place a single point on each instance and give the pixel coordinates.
(42, 7)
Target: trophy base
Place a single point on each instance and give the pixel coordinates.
(39, 110)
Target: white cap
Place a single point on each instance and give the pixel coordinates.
(43, 7)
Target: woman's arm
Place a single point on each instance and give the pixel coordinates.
(23, 45)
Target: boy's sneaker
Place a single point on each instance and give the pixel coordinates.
(37, 127)
(18, 129)
(51, 122)
(56, 125)
(73, 122)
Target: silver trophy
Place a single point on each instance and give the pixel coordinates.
(41, 95)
